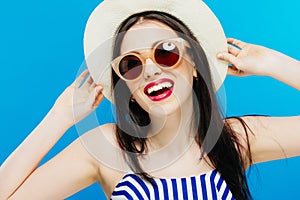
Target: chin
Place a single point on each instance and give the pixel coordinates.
(166, 106)
(169, 106)
(163, 110)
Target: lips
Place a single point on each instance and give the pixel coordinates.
(160, 89)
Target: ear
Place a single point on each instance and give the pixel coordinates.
(195, 72)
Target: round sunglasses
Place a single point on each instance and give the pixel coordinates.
(166, 54)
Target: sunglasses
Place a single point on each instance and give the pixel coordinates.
(166, 54)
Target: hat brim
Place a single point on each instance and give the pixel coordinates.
(108, 15)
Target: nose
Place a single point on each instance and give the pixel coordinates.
(151, 69)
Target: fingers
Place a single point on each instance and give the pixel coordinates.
(92, 86)
(89, 81)
(233, 50)
(236, 42)
(98, 96)
(98, 99)
(229, 58)
(232, 70)
(87, 84)
(80, 78)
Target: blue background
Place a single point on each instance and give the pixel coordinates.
(41, 52)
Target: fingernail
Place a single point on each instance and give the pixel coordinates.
(220, 56)
(99, 89)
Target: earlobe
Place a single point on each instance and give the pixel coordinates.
(195, 75)
(132, 99)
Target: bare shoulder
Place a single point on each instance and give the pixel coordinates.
(243, 124)
(86, 160)
(102, 146)
(269, 138)
(262, 125)
(106, 131)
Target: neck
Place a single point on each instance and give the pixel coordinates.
(174, 130)
(171, 137)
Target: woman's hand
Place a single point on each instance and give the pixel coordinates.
(249, 59)
(78, 100)
(75, 103)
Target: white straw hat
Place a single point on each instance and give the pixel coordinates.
(108, 15)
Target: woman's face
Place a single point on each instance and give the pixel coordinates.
(159, 91)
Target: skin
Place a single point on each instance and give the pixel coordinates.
(168, 110)
(65, 174)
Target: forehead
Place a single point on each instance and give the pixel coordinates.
(145, 35)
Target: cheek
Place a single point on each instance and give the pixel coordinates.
(142, 100)
(185, 74)
(133, 86)
(184, 86)
(184, 90)
(138, 94)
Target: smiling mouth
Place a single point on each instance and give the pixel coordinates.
(160, 89)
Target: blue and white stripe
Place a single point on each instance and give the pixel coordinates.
(208, 186)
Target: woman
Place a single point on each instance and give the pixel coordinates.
(231, 155)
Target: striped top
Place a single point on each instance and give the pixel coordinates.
(208, 186)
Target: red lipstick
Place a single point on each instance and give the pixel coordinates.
(160, 89)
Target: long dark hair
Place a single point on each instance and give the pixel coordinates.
(228, 155)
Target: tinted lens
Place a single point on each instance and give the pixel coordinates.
(130, 67)
(166, 54)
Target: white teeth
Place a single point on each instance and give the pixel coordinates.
(159, 87)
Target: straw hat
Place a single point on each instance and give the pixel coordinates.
(108, 15)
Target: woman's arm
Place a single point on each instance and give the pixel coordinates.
(273, 137)
(250, 59)
(67, 173)
(270, 138)
(23, 161)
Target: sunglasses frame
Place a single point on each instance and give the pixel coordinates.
(179, 42)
